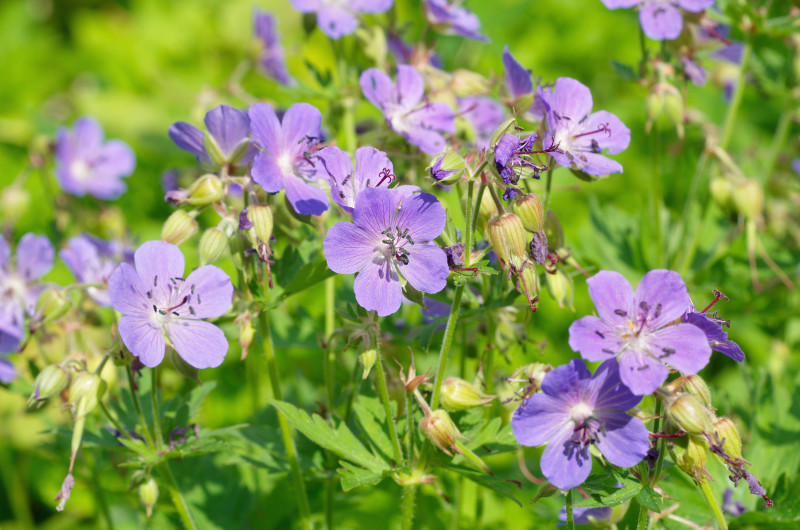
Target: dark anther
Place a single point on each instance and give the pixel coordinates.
(658, 311)
(620, 312)
(198, 298)
(595, 147)
(192, 289)
(600, 334)
(175, 313)
(155, 309)
(155, 280)
(610, 352)
(645, 367)
(668, 351)
(347, 178)
(388, 241)
(149, 294)
(644, 306)
(191, 310)
(402, 258)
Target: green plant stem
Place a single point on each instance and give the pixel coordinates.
(159, 440)
(383, 392)
(473, 222)
(656, 191)
(98, 488)
(570, 515)
(738, 93)
(661, 444)
(409, 429)
(778, 140)
(138, 406)
(468, 223)
(497, 202)
(708, 495)
(283, 423)
(548, 184)
(329, 367)
(113, 420)
(16, 487)
(452, 320)
(644, 518)
(181, 506)
(409, 496)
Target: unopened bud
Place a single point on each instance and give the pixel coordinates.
(206, 190)
(440, 430)
(689, 414)
(504, 127)
(673, 106)
(721, 190)
(367, 360)
(458, 394)
(468, 83)
(748, 197)
(179, 227)
(85, 391)
(561, 288)
(148, 495)
(246, 335)
(261, 217)
(212, 246)
(530, 211)
(14, 203)
(695, 385)
(52, 304)
(528, 284)
(728, 435)
(487, 210)
(654, 104)
(690, 454)
(447, 168)
(51, 381)
(522, 103)
(507, 235)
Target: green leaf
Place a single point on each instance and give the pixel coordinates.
(504, 487)
(309, 275)
(495, 436)
(648, 498)
(353, 477)
(625, 71)
(603, 490)
(476, 269)
(372, 418)
(338, 440)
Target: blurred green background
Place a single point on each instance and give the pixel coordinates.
(138, 66)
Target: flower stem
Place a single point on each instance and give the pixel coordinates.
(548, 184)
(181, 506)
(468, 222)
(283, 423)
(409, 496)
(497, 202)
(329, 368)
(138, 406)
(655, 191)
(708, 495)
(778, 140)
(644, 518)
(446, 342)
(661, 444)
(159, 440)
(570, 515)
(383, 392)
(114, 421)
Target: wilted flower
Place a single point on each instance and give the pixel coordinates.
(389, 237)
(284, 161)
(336, 18)
(92, 261)
(227, 142)
(576, 410)
(86, 164)
(271, 57)
(454, 19)
(639, 331)
(420, 122)
(510, 164)
(155, 297)
(485, 114)
(661, 19)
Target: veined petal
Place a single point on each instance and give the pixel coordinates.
(571, 98)
(128, 293)
(660, 20)
(228, 126)
(374, 210)
(563, 383)
(518, 78)
(267, 173)
(143, 338)
(437, 115)
(188, 137)
(564, 463)
(300, 121)
(377, 287)
(157, 262)
(593, 339)
(640, 372)
(427, 268)
(594, 164)
(336, 164)
(664, 292)
(305, 198)
(410, 86)
(423, 215)
(612, 296)
(624, 440)
(336, 22)
(209, 291)
(538, 419)
(348, 248)
(34, 256)
(614, 139)
(608, 391)
(266, 129)
(377, 87)
(683, 346)
(199, 343)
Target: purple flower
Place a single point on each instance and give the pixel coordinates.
(717, 337)
(284, 161)
(389, 237)
(337, 18)
(581, 137)
(575, 410)
(271, 58)
(453, 19)
(155, 297)
(731, 507)
(18, 293)
(661, 19)
(518, 78)
(796, 166)
(583, 515)
(639, 330)
(485, 114)
(227, 142)
(92, 261)
(86, 164)
(510, 164)
(693, 71)
(420, 122)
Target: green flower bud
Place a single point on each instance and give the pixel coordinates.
(673, 107)
(52, 304)
(748, 197)
(247, 333)
(487, 210)
(507, 235)
(528, 284)
(529, 209)
(654, 104)
(561, 288)
(148, 495)
(179, 227)
(440, 430)
(553, 230)
(721, 190)
(14, 203)
(689, 414)
(458, 394)
(466, 83)
(728, 434)
(213, 244)
(367, 360)
(501, 130)
(51, 381)
(206, 190)
(690, 454)
(695, 385)
(447, 168)
(261, 217)
(85, 391)
(522, 103)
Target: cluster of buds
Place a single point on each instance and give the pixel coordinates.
(738, 196)
(508, 237)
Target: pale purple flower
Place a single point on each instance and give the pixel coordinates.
(418, 121)
(285, 157)
(454, 19)
(661, 19)
(576, 410)
(87, 165)
(511, 165)
(693, 71)
(155, 297)
(337, 18)
(585, 515)
(389, 237)
(731, 507)
(18, 289)
(271, 58)
(485, 114)
(639, 330)
(92, 261)
(716, 335)
(796, 166)
(581, 137)
(227, 142)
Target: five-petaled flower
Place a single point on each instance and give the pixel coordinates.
(580, 137)
(271, 57)
(286, 157)
(576, 410)
(155, 297)
(661, 19)
(451, 18)
(337, 18)
(640, 330)
(420, 122)
(389, 237)
(86, 164)
(92, 261)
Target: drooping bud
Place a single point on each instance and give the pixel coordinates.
(530, 211)
(53, 379)
(447, 168)
(206, 190)
(52, 304)
(367, 360)
(654, 105)
(689, 414)
(721, 190)
(458, 394)
(561, 288)
(247, 333)
(507, 235)
(690, 454)
(748, 197)
(261, 217)
(179, 227)
(528, 284)
(440, 430)
(14, 203)
(212, 246)
(695, 385)
(148, 495)
(673, 108)
(85, 391)
(728, 435)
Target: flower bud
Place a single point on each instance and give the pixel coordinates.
(447, 168)
(214, 151)
(52, 304)
(247, 333)
(553, 230)
(689, 414)
(148, 495)
(695, 385)
(673, 108)
(213, 244)
(748, 197)
(261, 217)
(528, 284)
(14, 203)
(458, 394)
(367, 360)
(507, 235)
(654, 104)
(721, 190)
(206, 190)
(179, 227)
(690, 454)
(502, 130)
(529, 209)
(522, 104)
(50, 382)
(85, 391)
(487, 210)
(728, 434)
(561, 288)
(468, 83)
(440, 430)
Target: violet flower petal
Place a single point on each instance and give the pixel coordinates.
(189, 138)
(660, 20)
(336, 22)
(8, 372)
(640, 372)
(565, 465)
(612, 296)
(158, 262)
(424, 216)
(199, 343)
(518, 78)
(265, 128)
(34, 257)
(305, 198)
(143, 338)
(228, 126)
(625, 441)
(300, 121)
(689, 344)
(209, 291)
(377, 87)
(347, 248)
(377, 287)
(665, 294)
(427, 268)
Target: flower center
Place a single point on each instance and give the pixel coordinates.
(396, 244)
(12, 288)
(286, 164)
(586, 425)
(80, 170)
(180, 302)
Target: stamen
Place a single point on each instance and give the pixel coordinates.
(155, 280)
(386, 174)
(717, 296)
(603, 128)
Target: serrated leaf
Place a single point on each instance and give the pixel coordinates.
(604, 490)
(372, 418)
(503, 487)
(495, 436)
(338, 440)
(625, 71)
(353, 477)
(648, 498)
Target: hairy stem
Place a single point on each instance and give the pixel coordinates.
(159, 440)
(468, 222)
(181, 506)
(452, 320)
(570, 514)
(409, 496)
(383, 392)
(708, 495)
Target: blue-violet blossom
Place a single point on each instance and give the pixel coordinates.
(450, 17)
(337, 18)
(661, 19)
(271, 57)
(485, 114)
(510, 163)
(226, 144)
(92, 261)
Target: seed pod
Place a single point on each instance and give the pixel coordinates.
(148, 495)
(261, 217)
(367, 360)
(721, 190)
(695, 385)
(507, 234)
(689, 414)
(561, 288)
(213, 244)
(690, 454)
(530, 211)
(179, 227)
(206, 190)
(748, 198)
(458, 394)
(85, 392)
(440, 430)
(51, 381)
(52, 304)
(728, 434)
